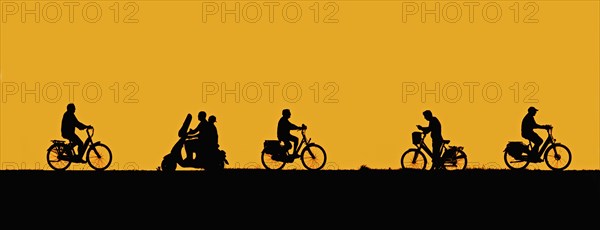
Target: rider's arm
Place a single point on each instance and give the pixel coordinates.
(298, 127)
(78, 124)
(292, 126)
(538, 126)
(193, 131)
(424, 129)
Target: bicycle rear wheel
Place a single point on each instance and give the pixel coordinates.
(558, 157)
(53, 160)
(271, 164)
(313, 157)
(99, 157)
(458, 162)
(515, 163)
(413, 159)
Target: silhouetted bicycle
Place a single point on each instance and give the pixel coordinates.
(60, 154)
(453, 157)
(274, 156)
(556, 155)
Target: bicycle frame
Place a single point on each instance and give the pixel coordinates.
(302, 143)
(61, 153)
(275, 156)
(426, 149)
(88, 143)
(550, 140)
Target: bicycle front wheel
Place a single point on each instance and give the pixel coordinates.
(271, 164)
(413, 159)
(558, 157)
(313, 157)
(52, 158)
(99, 157)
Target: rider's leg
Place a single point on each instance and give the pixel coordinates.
(286, 145)
(436, 153)
(190, 147)
(537, 141)
(295, 140)
(200, 149)
(79, 143)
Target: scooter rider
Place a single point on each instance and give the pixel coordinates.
(197, 144)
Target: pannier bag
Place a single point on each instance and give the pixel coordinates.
(271, 146)
(515, 148)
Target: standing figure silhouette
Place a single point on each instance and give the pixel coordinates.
(435, 127)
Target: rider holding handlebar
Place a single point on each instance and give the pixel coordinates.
(68, 125)
(527, 131)
(283, 131)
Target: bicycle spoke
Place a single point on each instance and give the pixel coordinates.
(96, 152)
(312, 155)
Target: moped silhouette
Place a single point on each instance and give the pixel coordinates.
(209, 159)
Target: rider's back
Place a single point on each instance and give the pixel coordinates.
(211, 135)
(284, 126)
(527, 125)
(69, 123)
(435, 128)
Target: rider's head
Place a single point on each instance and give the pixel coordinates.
(286, 113)
(532, 110)
(202, 115)
(212, 119)
(71, 107)
(427, 114)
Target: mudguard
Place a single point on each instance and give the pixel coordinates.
(51, 146)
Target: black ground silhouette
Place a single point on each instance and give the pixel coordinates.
(347, 196)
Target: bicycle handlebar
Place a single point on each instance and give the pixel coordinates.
(303, 127)
(87, 130)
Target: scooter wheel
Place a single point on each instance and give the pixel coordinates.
(168, 165)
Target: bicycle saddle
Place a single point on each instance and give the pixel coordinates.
(446, 141)
(58, 141)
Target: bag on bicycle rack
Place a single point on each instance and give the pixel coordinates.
(450, 152)
(272, 146)
(515, 148)
(416, 138)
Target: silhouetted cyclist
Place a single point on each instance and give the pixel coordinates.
(68, 125)
(283, 131)
(527, 131)
(435, 127)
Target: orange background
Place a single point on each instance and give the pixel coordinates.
(365, 69)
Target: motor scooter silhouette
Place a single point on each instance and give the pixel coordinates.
(209, 159)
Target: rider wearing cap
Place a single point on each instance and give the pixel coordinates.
(284, 126)
(527, 131)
